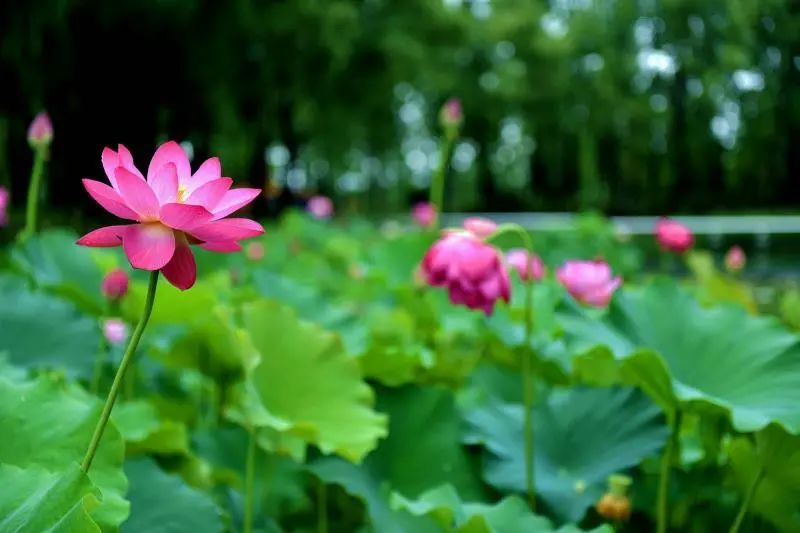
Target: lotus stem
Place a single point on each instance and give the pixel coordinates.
(748, 498)
(105, 414)
(31, 209)
(438, 179)
(249, 481)
(527, 367)
(662, 510)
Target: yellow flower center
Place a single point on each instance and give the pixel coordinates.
(181, 193)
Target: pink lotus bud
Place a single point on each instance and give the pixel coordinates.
(4, 201)
(589, 282)
(735, 259)
(115, 284)
(451, 115)
(424, 214)
(518, 258)
(255, 251)
(40, 132)
(673, 236)
(480, 227)
(320, 207)
(115, 330)
(471, 270)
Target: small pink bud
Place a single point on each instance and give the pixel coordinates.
(472, 271)
(115, 284)
(320, 207)
(480, 227)
(589, 282)
(4, 201)
(115, 330)
(40, 132)
(424, 214)
(735, 259)
(673, 236)
(255, 251)
(518, 258)
(451, 115)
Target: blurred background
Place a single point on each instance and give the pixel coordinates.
(621, 106)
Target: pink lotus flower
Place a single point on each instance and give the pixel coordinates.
(518, 258)
(424, 214)
(40, 132)
(4, 201)
(472, 271)
(172, 209)
(589, 282)
(115, 331)
(115, 284)
(320, 207)
(255, 251)
(479, 226)
(673, 236)
(735, 259)
(451, 114)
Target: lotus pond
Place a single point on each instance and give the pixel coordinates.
(317, 381)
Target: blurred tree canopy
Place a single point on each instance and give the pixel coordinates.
(634, 106)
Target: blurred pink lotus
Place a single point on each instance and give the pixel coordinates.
(172, 208)
(472, 271)
(255, 251)
(115, 284)
(115, 330)
(320, 207)
(40, 132)
(451, 114)
(479, 226)
(528, 266)
(673, 236)
(4, 201)
(589, 282)
(424, 214)
(735, 259)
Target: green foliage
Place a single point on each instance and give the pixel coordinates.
(683, 355)
(51, 423)
(582, 436)
(163, 503)
(377, 405)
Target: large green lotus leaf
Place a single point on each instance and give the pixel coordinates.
(55, 262)
(280, 486)
(164, 503)
(40, 330)
(423, 450)
(145, 431)
(510, 515)
(35, 500)
(360, 482)
(775, 456)
(49, 425)
(582, 436)
(307, 385)
(659, 338)
(174, 306)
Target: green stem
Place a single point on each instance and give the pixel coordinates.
(751, 491)
(662, 510)
(438, 180)
(527, 367)
(120, 375)
(40, 154)
(249, 482)
(322, 508)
